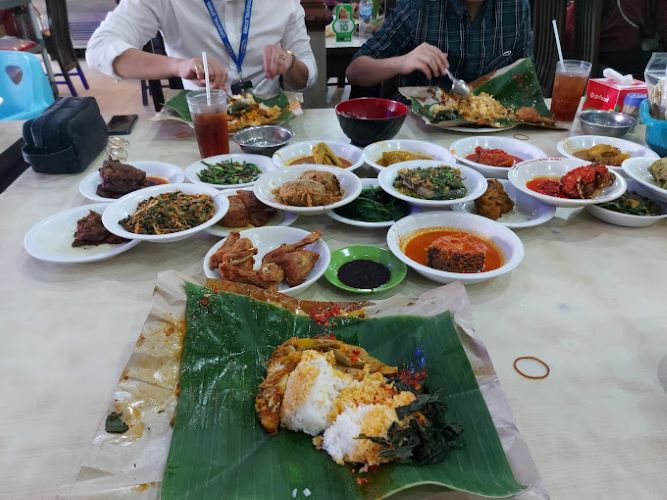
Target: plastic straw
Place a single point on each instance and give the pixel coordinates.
(204, 60)
(557, 37)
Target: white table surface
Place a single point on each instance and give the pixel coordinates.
(589, 299)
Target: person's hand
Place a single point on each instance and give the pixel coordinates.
(193, 69)
(426, 58)
(276, 61)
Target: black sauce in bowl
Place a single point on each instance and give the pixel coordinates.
(363, 274)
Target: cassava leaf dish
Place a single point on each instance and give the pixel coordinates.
(220, 450)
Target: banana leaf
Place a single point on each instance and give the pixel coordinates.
(219, 450)
(179, 105)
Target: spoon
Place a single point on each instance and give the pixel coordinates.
(459, 86)
(265, 89)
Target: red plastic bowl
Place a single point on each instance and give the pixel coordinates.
(370, 119)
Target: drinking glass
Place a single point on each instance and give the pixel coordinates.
(210, 121)
(569, 84)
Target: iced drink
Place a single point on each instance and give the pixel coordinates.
(210, 121)
(569, 84)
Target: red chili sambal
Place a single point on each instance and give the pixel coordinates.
(493, 157)
(549, 186)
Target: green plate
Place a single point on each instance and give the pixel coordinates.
(357, 252)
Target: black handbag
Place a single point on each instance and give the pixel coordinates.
(66, 137)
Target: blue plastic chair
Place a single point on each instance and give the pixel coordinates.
(23, 86)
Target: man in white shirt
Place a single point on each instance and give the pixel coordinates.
(275, 33)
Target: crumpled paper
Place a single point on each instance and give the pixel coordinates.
(131, 465)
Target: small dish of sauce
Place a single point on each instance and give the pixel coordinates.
(364, 274)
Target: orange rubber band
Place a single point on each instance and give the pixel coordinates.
(532, 377)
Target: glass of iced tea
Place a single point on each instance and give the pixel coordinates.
(210, 121)
(569, 84)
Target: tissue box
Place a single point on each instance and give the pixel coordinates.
(608, 94)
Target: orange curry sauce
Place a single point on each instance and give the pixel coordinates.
(549, 186)
(416, 245)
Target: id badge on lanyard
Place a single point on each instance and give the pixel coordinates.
(242, 85)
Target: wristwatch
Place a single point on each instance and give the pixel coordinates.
(293, 58)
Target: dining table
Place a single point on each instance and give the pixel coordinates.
(588, 299)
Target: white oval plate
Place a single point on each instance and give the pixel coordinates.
(281, 218)
(51, 238)
(505, 239)
(527, 212)
(637, 169)
(629, 220)
(263, 188)
(366, 183)
(473, 180)
(373, 152)
(521, 149)
(284, 156)
(127, 205)
(266, 239)
(173, 174)
(523, 172)
(571, 145)
(264, 163)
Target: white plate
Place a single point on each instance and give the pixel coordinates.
(628, 220)
(284, 156)
(637, 169)
(525, 171)
(366, 183)
(473, 180)
(527, 212)
(264, 163)
(509, 243)
(173, 174)
(466, 129)
(281, 218)
(266, 239)
(127, 205)
(51, 239)
(571, 145)
(373, 152)
(521, 149)
(263, 188)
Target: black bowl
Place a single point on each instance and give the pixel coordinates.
(369, 119)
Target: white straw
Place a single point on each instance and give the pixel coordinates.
(557, 37)
(208, 83)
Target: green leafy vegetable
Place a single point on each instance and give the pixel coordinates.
(115, 423)
(229, 172)
(431, 183)
(633, 204)
(375, 205)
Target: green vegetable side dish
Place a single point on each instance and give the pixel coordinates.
(431, 183)
(632, 203)
(115, 424)
(374, 205)
(229, 172)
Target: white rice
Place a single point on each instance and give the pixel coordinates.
(311, 389)
(340, 439)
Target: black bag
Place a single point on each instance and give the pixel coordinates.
(66, 137)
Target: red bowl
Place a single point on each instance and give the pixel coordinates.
(370, 119)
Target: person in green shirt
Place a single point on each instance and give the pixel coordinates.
(422, 38)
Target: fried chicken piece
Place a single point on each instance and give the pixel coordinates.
(296, 265)
(586, 182)
(327, 179)
(259, 213)
(291, 247)
(267, 277)
(237, 215)
(531, 115)
(456, 253)
(494, 202)
(235, 251)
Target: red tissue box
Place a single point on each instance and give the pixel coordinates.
(607, 94)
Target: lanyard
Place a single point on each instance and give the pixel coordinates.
(247, 10)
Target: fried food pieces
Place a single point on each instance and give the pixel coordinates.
(323, 155)
(494, 202)
(586, 182)
(391, 157)
(235, 260)
(531, 115)
(246, 210)
(604, 154)
(313, 188)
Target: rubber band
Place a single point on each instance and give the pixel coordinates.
(521, 137)
(532, 358)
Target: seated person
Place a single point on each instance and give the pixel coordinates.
(277, 42)
(422, 38)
